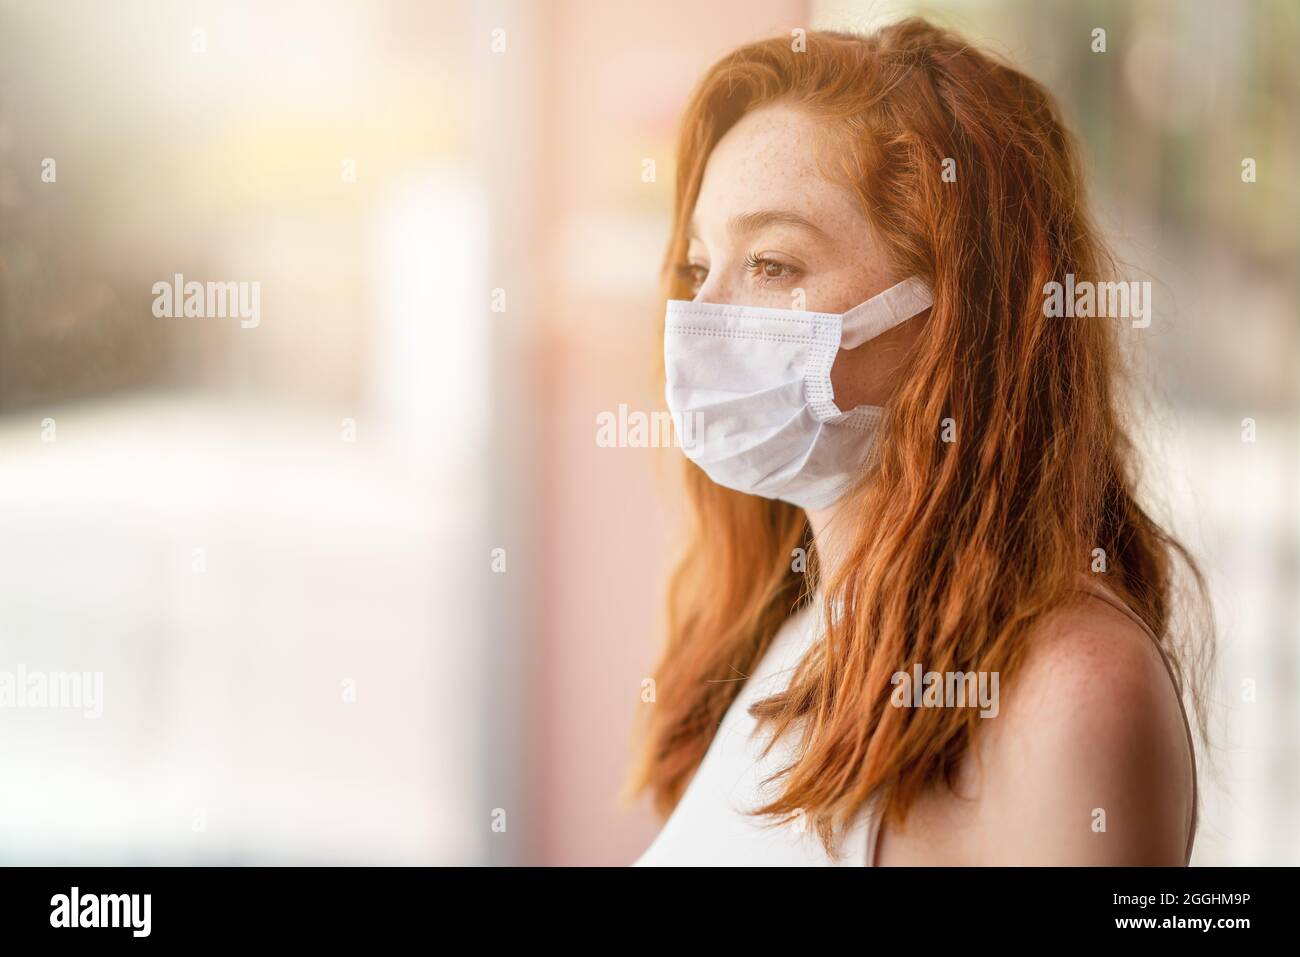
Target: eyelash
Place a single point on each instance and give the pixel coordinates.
(687, 271)
(754, 261)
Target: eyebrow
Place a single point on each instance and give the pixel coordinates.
(752, 222)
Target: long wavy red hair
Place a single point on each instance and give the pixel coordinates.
(959, 550)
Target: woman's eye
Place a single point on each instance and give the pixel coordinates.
(770, 270)
(693, 274)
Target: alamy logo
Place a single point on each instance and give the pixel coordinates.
(633, 429)
(53, 689)
(1084, 299)
(946, 689)
(102, 910)
(214, 300)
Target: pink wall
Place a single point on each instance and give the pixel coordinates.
(617, 77)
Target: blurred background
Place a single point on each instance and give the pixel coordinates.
(362, 584)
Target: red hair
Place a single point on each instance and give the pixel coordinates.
(957, 551)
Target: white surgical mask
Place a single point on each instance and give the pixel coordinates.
(750, 392)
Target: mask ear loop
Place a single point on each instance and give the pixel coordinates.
(882, 312)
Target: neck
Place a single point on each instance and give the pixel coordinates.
(827, 537)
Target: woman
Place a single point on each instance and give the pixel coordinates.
(910, 479)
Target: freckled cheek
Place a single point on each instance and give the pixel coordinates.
(833, 295)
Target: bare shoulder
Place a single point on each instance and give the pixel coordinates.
(1087, 761)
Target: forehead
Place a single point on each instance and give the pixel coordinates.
(771, 160)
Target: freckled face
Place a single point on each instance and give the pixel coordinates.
(768, 223)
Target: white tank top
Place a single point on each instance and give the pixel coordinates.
(710, 824)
